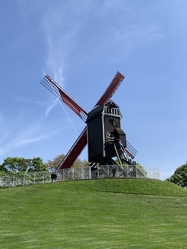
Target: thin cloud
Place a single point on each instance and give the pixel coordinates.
(1, 119)
(60, 40)
(3, 150)
(37, 102)
(115, 40)
(137, 35)
(24, 142)
(49, 108)
(28, 134)
(17, 142)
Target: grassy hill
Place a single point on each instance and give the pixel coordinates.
(108, 213)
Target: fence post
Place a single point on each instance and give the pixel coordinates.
(127, 170)
(90, 173)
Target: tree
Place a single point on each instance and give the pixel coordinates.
(2, 169)
(79, 163)
(180, 176)
(37, 165)
(140, 171)
(15, 164)
(22, 165)
(53, 164)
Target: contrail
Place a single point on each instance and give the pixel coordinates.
(68, 117)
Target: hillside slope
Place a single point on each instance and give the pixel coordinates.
(104, 214)
(128, 186)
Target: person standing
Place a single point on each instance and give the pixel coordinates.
(113, 171)
(53, 177)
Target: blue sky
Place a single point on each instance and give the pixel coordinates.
(82, 44)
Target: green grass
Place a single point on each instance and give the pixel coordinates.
(115, 213)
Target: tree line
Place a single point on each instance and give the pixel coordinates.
(179, 177)
(20, 165)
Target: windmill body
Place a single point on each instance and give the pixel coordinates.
(103, 132)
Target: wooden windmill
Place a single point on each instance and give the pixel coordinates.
(103, 131)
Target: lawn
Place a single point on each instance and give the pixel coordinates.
(115, 213)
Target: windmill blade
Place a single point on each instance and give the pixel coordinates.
(53, 87)
(118, 78)
(130, 150)
(75, 151)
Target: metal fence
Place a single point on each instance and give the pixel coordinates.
(70, 174)
(108, 171)
(24, 179)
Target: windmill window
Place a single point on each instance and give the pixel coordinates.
(114, 111)
(110, 110)
(107, 110)
(113, 122)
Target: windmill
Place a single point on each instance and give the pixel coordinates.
(103, 131)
